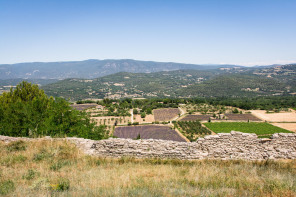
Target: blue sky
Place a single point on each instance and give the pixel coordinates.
(246, 32)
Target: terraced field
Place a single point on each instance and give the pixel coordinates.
(165, 114)
(242, 117)
(148, 132)
(259, 128)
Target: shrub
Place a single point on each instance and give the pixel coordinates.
(235, 111)
(135, 111)
(16, 146)
(138, 137)
(14, 159)
(31, 174)
(43, 154)
(59, 164)
(136, 123)
(143, 115)
(6, 187)
(61, 185)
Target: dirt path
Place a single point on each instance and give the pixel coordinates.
(181, 115)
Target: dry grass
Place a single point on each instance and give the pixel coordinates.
(148, 119)
(287, 126)
(57, 168)
(275, 117)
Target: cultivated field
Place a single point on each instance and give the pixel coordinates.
(191, 129)
(166, 114)
(242, 117)
(259, 128)
(148, 132)
(111, 120)
(287, 126)
(206, 108)
(275, 117)
(196, 117)
(58, 168)
(81, 107)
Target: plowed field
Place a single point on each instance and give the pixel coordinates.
(166, 114)
(148, 132)
(242, 117)
(196, 117)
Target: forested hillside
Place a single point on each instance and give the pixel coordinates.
(235, 85)
(175, 84)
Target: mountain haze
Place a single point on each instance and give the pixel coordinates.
(90, 69)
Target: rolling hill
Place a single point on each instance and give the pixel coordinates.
(91, 68)
(181, 83)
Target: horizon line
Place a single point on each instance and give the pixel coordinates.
(250, 64)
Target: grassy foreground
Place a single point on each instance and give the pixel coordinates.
(57, 168)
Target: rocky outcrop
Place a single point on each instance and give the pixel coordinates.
(234, 145)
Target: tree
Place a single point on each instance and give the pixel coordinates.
(27, 111)
(235, 111)
(135, 111)
(143, 115)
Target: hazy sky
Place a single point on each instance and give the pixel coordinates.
(247, 32)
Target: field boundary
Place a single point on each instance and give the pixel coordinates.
(225, 146)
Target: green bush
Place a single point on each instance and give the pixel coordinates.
(14, 159)
(31, 174)
(6, 187)
(59, 164)
(62, 185)
(43, 154)
(143, 115)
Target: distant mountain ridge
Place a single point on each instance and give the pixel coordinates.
(90, 69)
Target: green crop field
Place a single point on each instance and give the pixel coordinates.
(259, 128)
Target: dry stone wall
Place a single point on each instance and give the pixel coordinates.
(234, 145)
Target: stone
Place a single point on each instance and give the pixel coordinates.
(234, 145)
